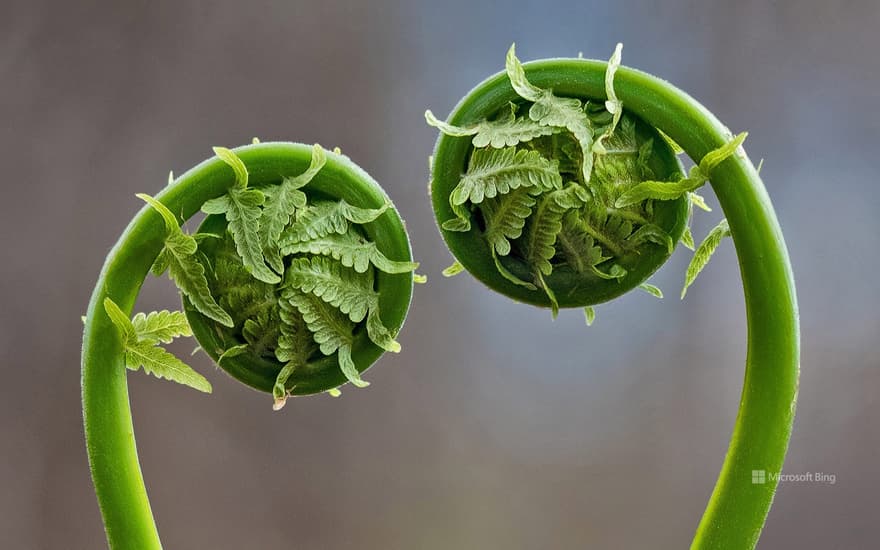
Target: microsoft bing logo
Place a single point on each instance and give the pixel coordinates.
(762, 477)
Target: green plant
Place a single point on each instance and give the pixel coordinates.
(557, 183)
(297, 280)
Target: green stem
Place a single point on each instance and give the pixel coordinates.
(737, 508)
(109, 432)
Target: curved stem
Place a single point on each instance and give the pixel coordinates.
(109, 432)
(737, 508)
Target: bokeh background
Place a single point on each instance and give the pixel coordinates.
(495, 428)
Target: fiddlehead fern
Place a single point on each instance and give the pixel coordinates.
(557, 183)
(295, 283)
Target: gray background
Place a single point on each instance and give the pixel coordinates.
(495, 428)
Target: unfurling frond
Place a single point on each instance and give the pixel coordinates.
(687, 238)
(544, 225)
(716, 156)
(651, 233)
(517, 75)
(652, 290)
(179, 258)
(590, 315)
(549, 109)
(662, 190)
(145, 353)
(461, 222)
(379, 334)
(317, 162)
(324, 218)
(676, 148)
(352, 250)
(161, 364)
(704, 253)
(282, 202)
(494, 172)
(344, 288)
(188, 274)
(120, 321)
(161, 326)
(507, 274)
(697, 177)
(577, 245)
(505, 218)
(507, 131)
(612, 104)
(242, 209)
(234, 162)
(453, 269)
(295, 341)
(296, 344)
(616, 271)
(699, 202)
(558, 209)
(261, 332)
(332, 329)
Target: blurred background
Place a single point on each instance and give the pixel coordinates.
(495, 428)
